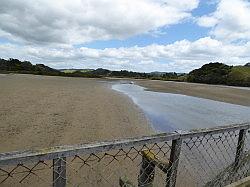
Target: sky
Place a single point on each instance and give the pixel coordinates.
(137, 35)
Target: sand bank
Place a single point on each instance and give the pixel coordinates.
(214, 92)
(43, 111)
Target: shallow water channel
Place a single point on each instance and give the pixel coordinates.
(169, 112)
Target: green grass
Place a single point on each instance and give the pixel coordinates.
(68, 71)
(73, 70)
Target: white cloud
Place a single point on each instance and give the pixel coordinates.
(207, 21)
(182, 5)
(80, 21)
(181, 56)
(230, 22)
(45, 31)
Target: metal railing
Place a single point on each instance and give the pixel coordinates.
(206, 157)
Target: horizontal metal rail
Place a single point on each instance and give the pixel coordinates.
(17, 157)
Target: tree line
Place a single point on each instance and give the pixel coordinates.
(219, 73)
(212, 73)
(17, 66)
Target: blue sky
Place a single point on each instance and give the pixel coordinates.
(161, 35)
(187, 29)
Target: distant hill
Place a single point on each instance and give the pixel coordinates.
(101, 72)
(17, 66)
(157, 73)
(247, 64)
(74, 70)
(219, 73)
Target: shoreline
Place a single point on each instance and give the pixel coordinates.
(221, 93)
(169, 112)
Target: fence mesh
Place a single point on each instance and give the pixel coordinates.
(202, 159)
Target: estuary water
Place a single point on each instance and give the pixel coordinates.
(169, 112)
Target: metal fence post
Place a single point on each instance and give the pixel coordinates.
(240, 147)
(173, 162)
(59, 172)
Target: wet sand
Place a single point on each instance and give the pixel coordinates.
(240, 96)
(43, 111)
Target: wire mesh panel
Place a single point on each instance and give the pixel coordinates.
(132, 165)
(142, 165)
(205, 157)
(210, 157)
(35, 174)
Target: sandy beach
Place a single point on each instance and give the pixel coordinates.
(42, 111)
(239, 96)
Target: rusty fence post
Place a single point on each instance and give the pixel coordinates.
(173, 162)
(59, 172)
(240, 147)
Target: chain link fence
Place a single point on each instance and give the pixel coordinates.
(207, 157)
